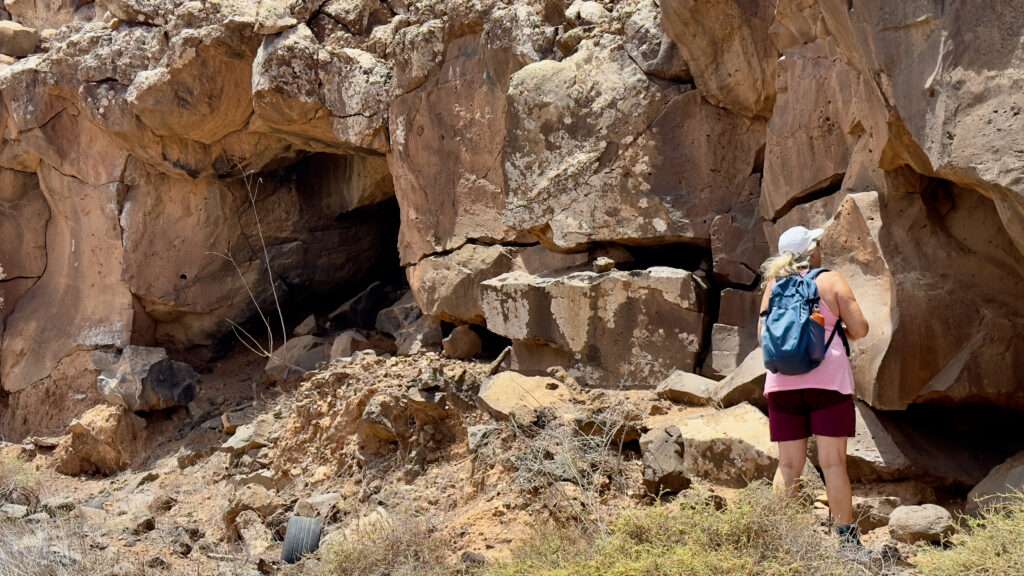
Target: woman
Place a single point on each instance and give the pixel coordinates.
(819, 402)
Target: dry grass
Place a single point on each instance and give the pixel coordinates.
(19, 483)
(381, 545)
(989, 545)
(756, 534)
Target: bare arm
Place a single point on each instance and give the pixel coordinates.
(849, 310)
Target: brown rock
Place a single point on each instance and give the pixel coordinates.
(871, 513)
(254, 498)
(873, 454)
(664, 464)
(686, 388)
(924, 523)
(351, 341)
(728, 48)
(572, 153)
(104, 440)
(648, 45)
(463, 343)
(448, 286)
(510, 395)
(80, 301)
(17, 40)
(745, 383)
(620, 329)
(422, 335)
(458, 113)
(145, 379)
(318, 98)
(1003, 480)
(965, 361)
(296, 357)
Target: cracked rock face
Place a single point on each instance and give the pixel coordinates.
(521, 141)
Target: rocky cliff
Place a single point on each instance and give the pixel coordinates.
(596, 182)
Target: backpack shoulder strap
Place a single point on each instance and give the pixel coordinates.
(815, 273)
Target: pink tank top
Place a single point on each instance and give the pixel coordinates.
(834, 372)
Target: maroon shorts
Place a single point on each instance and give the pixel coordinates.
(796, 414)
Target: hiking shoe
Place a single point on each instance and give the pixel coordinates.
(851, 548)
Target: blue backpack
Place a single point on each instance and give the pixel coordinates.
(792, 342)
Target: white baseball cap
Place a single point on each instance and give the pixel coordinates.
(799, 240)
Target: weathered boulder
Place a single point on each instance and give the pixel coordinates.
(463, 343)
(422, 335)
(459, 113)
(728, 48)
(402, 313)
(893, 254)
(296, 357)
(17, 40)
(80, 302)
(664, 463)
(618, 329)
(730, 447)
(686, 388)
(320, 98)
(579, 128)
(648, 45)
(253, 497)
(927, 523)
(873, 512)
(105, 440)
(448, 286)
(745, 383)
(145, 379)
(510, 395)
(1005, 479)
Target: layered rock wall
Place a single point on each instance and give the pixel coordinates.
(526, 142)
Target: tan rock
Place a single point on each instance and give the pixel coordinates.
(620, 329)
(570, 154)
(448, 286)
(965, 361)
(463, 343)
(23, 217)
(254, 498)
(296, 357)
(686, 388)
(872, 513)
(651, 48)
(80, 302)
(446, 203)
(873, 454)
(664, 464)
(144, 379)
(43, 13)
(728, 48)
(352, 341)
(104, 440)
(510, 395)
(422, 335)
(995, 489)
(17, 40)
(924, 523)
(318, 98)
(255, 536)
(745, 383)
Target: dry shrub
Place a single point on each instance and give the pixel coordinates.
(19, 483)
(991, 544)
(388, 546)
(758, 533)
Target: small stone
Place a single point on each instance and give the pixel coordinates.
(307, 327)
(874, 512)
(318, 506)
(603, 264)
(479, 434)
(13, 511)
(463, 343)
(16, 40)
(927, 523)
(230, 421)
(664, 466)
(143, 525)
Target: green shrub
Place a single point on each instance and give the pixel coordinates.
(758, 533)
(991, 544)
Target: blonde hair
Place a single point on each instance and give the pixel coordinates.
(785, 264)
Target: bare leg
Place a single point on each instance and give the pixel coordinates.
(792, 457)
(832, 459)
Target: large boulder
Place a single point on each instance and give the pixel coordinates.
(729, 50)
(995, 489)
(745, 383)
(873, 453)
(616, 329)
(730, 447)
(459, 113)
(686, 388)
(577, 131)
(953, 106)
(105, 440)
(900, 257)
(510, 395)
(664, 463)
(17, 40)
(145, 379)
